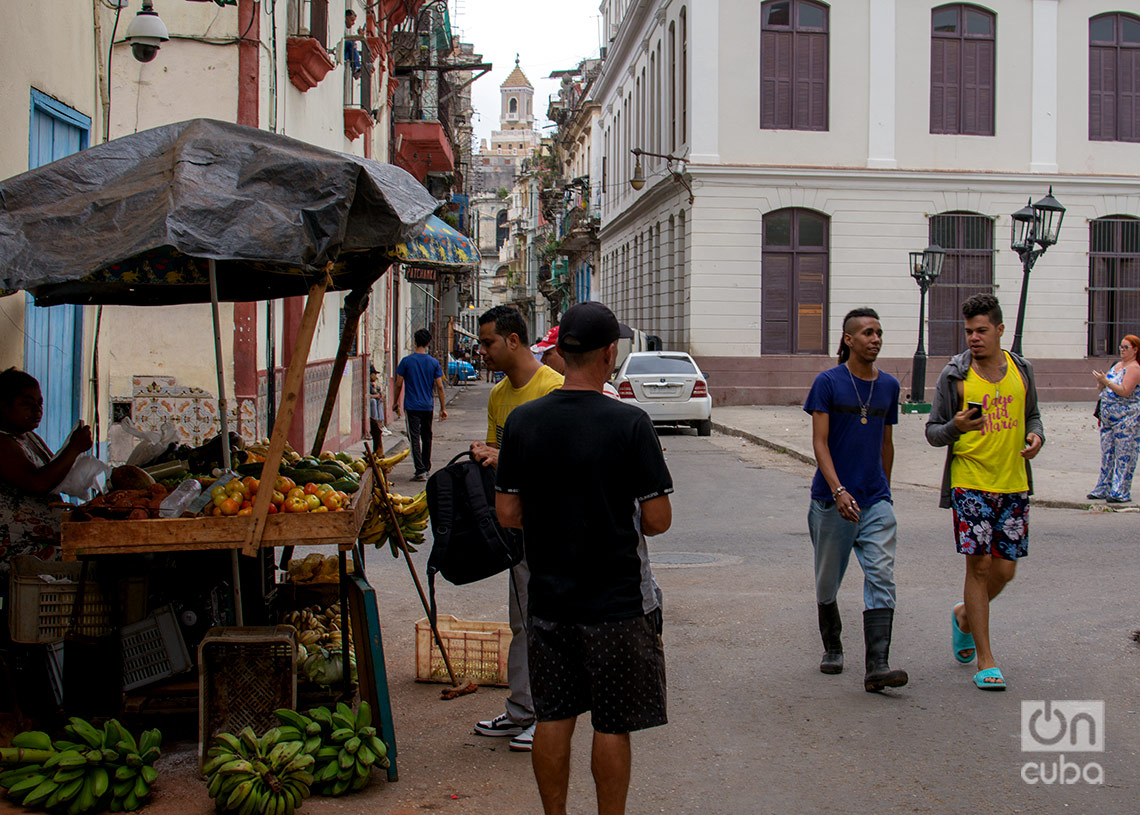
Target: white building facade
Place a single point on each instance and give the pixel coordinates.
(823, 143)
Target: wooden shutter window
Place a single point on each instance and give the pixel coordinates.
(1114, 77)
(776, 82)
(793, 66)
(962, 60)
(1128, 106)
(793, 283)
(1102, 94)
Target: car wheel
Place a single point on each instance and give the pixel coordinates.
(704, 427)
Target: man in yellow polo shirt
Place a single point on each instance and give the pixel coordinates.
(504, 347)
(985, 412)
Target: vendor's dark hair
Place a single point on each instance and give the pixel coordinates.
(985, 304)
(507, 321)
(13, 382)
(844, 351)
(422, 338)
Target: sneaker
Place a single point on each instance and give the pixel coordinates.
(423, 477)
(1096, 496)
(1112, 499)
(501, 725)
(524, 741)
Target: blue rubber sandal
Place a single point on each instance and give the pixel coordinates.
(989, 673)
(961, 640)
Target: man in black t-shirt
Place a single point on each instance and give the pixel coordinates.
(584, 477)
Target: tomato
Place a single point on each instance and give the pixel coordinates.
(319, 509)
(312, 501)
(295, 504)
(283, 484)
(221, 497)
(322, 489)
(331, 500)
(218, 489)
(230, 506)
(310, 489)
(247, 504)
(272, 509)
(245, 511)
(296, 492)
(251, 484)
(277, 498)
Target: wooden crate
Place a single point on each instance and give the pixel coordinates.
(85, 538)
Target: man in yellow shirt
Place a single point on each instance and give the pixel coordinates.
(985, 412)
(504, 347)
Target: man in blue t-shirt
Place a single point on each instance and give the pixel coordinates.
(853, 408)
(417, 376)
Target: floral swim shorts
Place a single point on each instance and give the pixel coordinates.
(991, 523)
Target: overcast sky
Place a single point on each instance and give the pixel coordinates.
(547, 36)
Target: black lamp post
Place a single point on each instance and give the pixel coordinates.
(1033, 226)
(925, 267)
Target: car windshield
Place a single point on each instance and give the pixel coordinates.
(660, 365)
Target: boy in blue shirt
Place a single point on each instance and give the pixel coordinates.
(853, 408)
(420, 373)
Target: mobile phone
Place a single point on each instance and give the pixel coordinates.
(975, 409)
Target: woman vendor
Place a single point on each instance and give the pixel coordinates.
(29, 524)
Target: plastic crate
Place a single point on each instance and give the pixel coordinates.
(153, 649)
(477, 650)
(41, 609)
(244, 675)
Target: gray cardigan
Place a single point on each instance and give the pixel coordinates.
(940, 428)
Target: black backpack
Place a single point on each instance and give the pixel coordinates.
(468, 542)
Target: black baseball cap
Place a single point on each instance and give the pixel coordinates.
(588, 326)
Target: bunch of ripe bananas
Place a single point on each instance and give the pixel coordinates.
(344, 744)
(91, 770)
(263, 776)
(386, 464)
(411, 515)
(316, 626)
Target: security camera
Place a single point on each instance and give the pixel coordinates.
(146, 33)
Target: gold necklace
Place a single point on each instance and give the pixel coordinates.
(870, 395)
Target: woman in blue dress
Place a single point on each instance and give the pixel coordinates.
(1119, 424)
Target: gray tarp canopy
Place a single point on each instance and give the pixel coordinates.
(135, 221)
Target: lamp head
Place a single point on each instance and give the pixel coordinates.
(1022, 229)
(1048, 214)
(146, 33)
(638, 179)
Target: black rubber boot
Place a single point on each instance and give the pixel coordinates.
(830, 627)
(877, 624)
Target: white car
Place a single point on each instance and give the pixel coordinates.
(668, 386)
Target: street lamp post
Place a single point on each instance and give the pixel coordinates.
(925, 267)
(1033, 226)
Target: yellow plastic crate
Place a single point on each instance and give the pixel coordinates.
(477, 650)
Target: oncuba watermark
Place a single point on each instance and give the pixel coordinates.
(1060, 727)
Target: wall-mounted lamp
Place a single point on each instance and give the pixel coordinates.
(146, 33)
(637, 181)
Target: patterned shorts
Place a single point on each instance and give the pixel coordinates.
(615, 670)
(991, 523)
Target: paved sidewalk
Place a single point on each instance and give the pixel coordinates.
(1063, 472)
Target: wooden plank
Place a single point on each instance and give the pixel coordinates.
(294, 377)
(368, 645)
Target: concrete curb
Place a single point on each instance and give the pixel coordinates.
(798, 456)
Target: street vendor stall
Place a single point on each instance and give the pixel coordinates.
(206, 211)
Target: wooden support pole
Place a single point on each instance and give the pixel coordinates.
(294, 377)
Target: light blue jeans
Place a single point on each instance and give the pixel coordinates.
(873, 538)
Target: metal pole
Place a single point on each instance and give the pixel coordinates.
(1027, 259)
(918, 368)
(224, 433)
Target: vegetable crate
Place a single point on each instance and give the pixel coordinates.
(43, 594)
(153, 649)
(244, 675)
(477, 650)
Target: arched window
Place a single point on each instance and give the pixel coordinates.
(502, 230)
(1114, 282)
(793, 282)
(793, 65)
(968, 269)
(962, 70)
(513, 106)
(1114, 77)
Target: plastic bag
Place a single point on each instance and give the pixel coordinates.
(151, 444)
(86, 474)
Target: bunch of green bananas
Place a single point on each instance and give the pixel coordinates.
(92, 769)
(411, 515)
(348, 750)
(267, 776)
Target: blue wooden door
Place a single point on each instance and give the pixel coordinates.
(53, 343)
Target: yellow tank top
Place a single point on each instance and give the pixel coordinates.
(990, 459)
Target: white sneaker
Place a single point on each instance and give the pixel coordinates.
(501, 725)
(524, 741)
